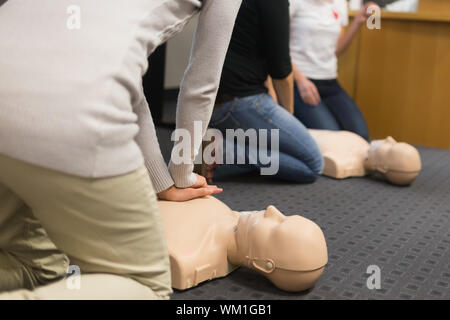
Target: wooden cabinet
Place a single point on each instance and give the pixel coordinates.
(400, 77)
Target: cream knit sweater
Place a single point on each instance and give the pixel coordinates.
(71, 99)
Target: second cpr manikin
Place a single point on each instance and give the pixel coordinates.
(346, 154)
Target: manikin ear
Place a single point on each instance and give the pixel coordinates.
(265, 265)
(273, 213)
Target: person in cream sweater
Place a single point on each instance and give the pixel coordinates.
(80, 164)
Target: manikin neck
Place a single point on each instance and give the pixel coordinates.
(373, 168)
(368, 165)
(375, 160)
(233, 254)
(239, 248)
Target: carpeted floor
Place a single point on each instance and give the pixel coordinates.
(403, 230)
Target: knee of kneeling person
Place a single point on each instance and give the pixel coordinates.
(316, 164)
(29, 272)
(308, 176)
(316, 167)
(49, 268)
(312, 177)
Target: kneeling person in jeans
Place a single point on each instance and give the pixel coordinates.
(259, 48)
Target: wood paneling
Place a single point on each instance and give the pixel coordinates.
(434, 6)
(401, 80)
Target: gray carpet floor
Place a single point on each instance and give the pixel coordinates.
(403, 230)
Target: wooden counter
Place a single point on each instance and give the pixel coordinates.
(400, 77)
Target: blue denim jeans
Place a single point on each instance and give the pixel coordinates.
(299, 157)
(335, 111)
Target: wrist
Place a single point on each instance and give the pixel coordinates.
(182, 175)
(300, 78)
(162, 194)
(358, 21)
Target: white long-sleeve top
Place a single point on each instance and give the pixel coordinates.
(71, 96)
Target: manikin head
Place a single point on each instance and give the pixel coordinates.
(399, 162)
(289, 250)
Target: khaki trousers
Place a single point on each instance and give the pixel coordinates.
(86, 287)
(108, 225)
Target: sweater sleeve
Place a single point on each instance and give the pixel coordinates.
(148, 143)
(172, 17)
(200, 83)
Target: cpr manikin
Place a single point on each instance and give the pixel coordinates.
(207, 240)
(346, 154)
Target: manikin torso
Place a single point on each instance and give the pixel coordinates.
(198, 234)
(207, 240)
(346, 154)
(343, 153)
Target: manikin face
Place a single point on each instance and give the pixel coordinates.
(269, 240)
(389, 155)
(379, 153)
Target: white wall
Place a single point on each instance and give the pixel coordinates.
(177, 55)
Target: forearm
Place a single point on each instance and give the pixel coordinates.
(298, 75)
(284, 89)
(347, 36)
(169, 18)
(271, 91)
(201, 81)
